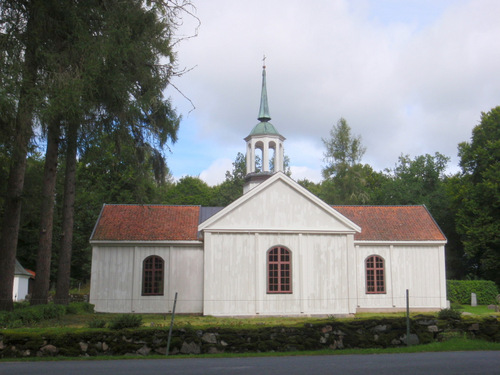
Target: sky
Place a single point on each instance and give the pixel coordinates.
(411, 77)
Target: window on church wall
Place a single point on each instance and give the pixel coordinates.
(153, 271)
(279, 270)
(375, 275)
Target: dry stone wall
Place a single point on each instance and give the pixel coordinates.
(334, 335)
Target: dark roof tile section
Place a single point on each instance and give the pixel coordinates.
(147, 223)
(207, 212)
(393, 223)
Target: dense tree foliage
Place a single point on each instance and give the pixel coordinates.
(415, 181)
(232, 187)
(476, 194)
(190, 191)
(77, 69)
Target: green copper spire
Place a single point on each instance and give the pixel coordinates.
(264, 107)
(264, 127)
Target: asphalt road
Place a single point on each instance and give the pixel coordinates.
(450, 363)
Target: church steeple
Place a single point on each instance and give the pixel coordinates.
(267, 140)
(264, 106)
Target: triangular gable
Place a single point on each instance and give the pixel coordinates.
(279, 204)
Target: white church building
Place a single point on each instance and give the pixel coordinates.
(277, 250)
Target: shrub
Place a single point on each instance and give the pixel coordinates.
(126, 321)
(51, 311)
(80, 308)
(455, 306)
(4, 318)
(15, 324)
(449, 314)
(22, 304)
(27, 315)
(97, 323)
(459, 291)
(24, 314)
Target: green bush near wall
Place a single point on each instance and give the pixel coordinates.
(459, 291)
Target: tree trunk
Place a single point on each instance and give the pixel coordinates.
(42, 279)
(12, 213)
(64, 268)
(15, 184)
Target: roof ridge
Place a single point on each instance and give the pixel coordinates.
(152, 204)
(378, 205)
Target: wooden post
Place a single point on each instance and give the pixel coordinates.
(171, 324)
(407, 318)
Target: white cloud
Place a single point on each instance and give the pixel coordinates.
(300, 173)
(216, 172)
(407, 82)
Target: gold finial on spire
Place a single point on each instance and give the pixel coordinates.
(264, 62)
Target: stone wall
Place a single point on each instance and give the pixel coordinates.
(334, 335)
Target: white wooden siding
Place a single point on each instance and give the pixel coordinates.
(20, 289)
(236, 274)
(280, 207)
(418, 268)
(116, 279)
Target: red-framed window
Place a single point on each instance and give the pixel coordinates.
(153, 272)
(279, 270)
(375, 275)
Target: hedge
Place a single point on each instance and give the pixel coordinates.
(459, 291)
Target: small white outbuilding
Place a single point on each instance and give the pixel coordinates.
(21, 282)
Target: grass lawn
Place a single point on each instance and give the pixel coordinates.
(202, 322)
(194, 321)
(478, 310)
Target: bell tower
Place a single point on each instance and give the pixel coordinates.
(264, 150)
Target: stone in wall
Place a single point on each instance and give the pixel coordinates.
(190, 348)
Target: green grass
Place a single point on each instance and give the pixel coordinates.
(478, 310)
(72, 321)
(202, 322)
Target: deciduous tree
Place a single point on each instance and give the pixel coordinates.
(477, 196)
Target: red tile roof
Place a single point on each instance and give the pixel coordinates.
(147, 223)
(177, 223)
(33, 273)
(393, 223)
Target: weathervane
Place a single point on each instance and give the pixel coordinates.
(264, 62)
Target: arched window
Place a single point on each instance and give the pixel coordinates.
(375, 275)
(153, 271)
(279, 270)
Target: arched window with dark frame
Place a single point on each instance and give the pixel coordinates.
(153, 273)
(279, 270)
(375, 275)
